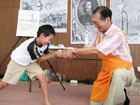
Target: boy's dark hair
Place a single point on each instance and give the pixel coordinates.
(46, 29)
(104, 12)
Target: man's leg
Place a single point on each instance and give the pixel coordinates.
(44, 87)
(120, 79)
(127, 101)
(96, 103)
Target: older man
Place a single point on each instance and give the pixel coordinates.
(111, 45)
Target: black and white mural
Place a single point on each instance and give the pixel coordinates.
(52, 12)
(126, 15)
(82, 28)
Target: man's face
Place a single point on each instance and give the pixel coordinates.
(99, 23)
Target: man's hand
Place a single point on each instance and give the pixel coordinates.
(68, 54)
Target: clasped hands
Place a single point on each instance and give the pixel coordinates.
(66, 54)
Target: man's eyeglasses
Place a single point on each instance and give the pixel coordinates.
(98, 22)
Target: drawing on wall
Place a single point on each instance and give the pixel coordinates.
(52, 12)
(128, 19)
(28, 23)
(82, 28)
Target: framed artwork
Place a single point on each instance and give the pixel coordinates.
(126, 15)
(52, 12)
(82, 28)
(28, 23)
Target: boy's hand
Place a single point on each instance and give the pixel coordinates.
(58, 53)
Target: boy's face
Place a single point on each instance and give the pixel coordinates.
(44, 40)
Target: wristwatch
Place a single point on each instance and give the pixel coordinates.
(74, 52)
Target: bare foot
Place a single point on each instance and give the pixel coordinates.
(47, 103)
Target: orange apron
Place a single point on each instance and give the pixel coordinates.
(110, 63)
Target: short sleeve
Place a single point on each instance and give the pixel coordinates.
(110, 43)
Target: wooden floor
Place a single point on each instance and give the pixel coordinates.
(73, 95)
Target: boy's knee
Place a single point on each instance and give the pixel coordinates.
(41, 77)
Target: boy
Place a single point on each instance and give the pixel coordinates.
(26, 56)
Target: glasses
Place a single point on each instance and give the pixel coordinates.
(98, 22)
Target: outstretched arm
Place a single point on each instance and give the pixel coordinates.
(69, 54)
(57, 54)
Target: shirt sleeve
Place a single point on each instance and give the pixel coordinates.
(109, 44)
(32, 49)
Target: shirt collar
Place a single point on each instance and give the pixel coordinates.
(37, 44)
(111, 28)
